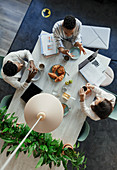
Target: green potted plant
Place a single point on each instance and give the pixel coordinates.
(42, 145)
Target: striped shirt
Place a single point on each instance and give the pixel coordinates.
(60, 36)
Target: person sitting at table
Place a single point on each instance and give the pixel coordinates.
(13, 66)
(101, 107)
(68, 29)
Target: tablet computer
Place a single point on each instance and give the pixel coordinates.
(30, 92)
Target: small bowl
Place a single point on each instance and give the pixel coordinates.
(66, 109)
(76, 52)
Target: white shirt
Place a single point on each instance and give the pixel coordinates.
(19, 57)
(60, 36)
(99, 93)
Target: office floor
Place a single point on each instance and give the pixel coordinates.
(100, 146)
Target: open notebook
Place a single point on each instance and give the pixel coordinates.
(92, 69)
(30, 92)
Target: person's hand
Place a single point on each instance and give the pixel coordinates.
(32, 66)
(82, 95)
(65, 51)
(90, 86)
(77, 44)
(31, 75)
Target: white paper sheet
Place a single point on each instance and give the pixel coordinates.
(92, 74)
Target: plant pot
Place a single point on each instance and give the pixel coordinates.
(67, 146)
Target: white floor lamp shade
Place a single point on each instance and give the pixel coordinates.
(47, 104)
(43, 113)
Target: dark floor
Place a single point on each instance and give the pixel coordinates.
(100, 146)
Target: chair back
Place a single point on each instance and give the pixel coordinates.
(84, 132)
(6, 101)
(113, 115)
(1, 61)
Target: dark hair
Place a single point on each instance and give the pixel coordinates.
(69, 22)
(10, 69)
(103, 109)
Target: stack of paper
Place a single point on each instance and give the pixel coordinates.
(48, 44)
(92, 74)
(93, 70)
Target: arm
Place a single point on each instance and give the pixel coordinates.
(16, 84)
(58, 35)
(88, 112)
(108, 95)
(28, 55)
(77, 34)
(84, 108)
(94, 88)
(25, 54)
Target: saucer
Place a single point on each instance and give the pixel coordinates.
(37, 76)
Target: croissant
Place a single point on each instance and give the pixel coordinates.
(60, 78)
(54, 68)
(52, 75)
(61, 70)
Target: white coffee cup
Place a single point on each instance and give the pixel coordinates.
(41, 66)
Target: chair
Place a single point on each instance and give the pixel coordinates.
(6, 101)
(113, 115)
(84, 132)
(109, 76)
(1, 61)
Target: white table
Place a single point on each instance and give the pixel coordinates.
(71, 125)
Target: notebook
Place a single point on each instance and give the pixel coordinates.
(30, 92)
(48, 44)
(92, 69)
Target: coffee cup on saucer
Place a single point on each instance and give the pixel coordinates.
(41, 66)
(66, 57)
(86, 90)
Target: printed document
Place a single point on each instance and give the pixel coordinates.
(93, 74)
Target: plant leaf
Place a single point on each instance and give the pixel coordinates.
(78, 145)
(4, 146)
(30, 150)
(39, 162)
(5, 130)
(65, 156)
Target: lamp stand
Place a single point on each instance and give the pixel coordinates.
(40, 116)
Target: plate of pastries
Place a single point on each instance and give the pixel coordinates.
(57, 73)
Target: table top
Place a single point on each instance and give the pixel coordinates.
(72, 123)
